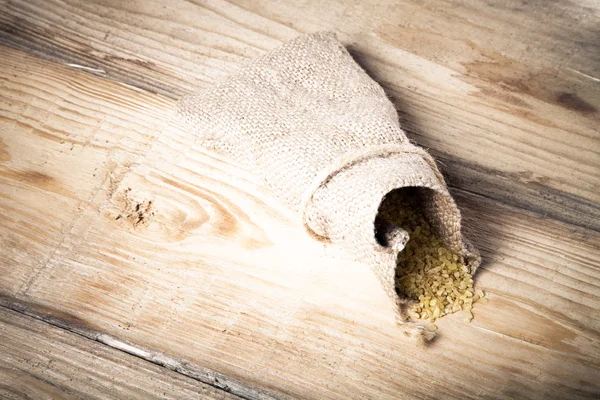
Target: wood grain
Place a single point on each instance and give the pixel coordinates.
(505, 94)
(184, 253)
(40, 361)
(51, 126)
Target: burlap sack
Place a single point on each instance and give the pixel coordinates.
(326, 139)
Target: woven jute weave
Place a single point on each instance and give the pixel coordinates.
(324, 136)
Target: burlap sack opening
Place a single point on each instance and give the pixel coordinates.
(443, 216)
(326, 139)
(363, 184)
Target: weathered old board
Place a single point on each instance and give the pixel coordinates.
(506, 94)
(40, 361)
(117, 225)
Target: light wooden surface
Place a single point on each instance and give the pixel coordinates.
(505, 94)
(41, 361)
(217, 273)
(114, 222)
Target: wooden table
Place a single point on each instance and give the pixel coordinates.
(136, 264)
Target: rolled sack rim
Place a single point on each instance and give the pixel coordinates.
(349, 160)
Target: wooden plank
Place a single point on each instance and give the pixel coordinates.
(506, 95)
(41, 361)
(208, 381)
(216, 272)
(53, 122)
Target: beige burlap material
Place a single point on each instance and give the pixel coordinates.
(324, 136)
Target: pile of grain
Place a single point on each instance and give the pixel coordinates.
(428, 271)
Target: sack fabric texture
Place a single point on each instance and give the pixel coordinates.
(326, 139)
